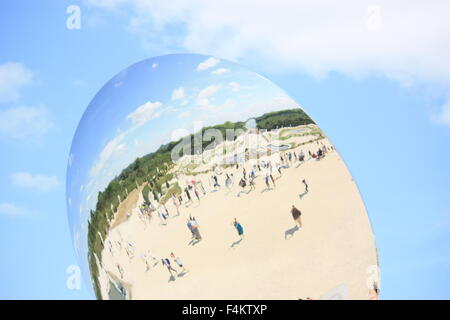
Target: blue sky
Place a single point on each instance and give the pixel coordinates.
(382, 101)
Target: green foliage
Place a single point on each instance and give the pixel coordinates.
(198, 142)
(284, 118)
(145, 192)
(174, 190)
(152, 167)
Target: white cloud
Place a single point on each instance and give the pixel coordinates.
(235, 110)
(274, 104)
(117, 146)
(145, 113)
(24, 123)
(208, 63)
(443, 117)
(208, 92)
(400, 39)
(112, 147)
(235, 87)
(154, 65)
(204, 97)
(10, 209)
(179, 133)
(105, 3)
(178, 94)
(121, 148)
(13, 76)
(220, 71)
(184, 114)
(38, 182)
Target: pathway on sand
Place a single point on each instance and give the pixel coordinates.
(126, 206)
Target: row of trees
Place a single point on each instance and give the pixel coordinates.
(284, 118)
(150, 171)
(199, 141)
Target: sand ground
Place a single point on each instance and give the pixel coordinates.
(334, 247)
(126, 206)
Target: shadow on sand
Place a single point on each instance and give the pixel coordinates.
(266, 189)
(241, 192)
(303, 194)
(193, 242)
(180, 275)
(234, 244)
(290, 232)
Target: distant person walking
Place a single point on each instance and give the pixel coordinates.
(188, 194)
(197, 194)
(252, 183)
(162, 217)
(167, 211)
(174, 200)
(228, 181)
(120, 270)
(306, 185)
(202, 188)
(178, 262)
(273, 180)
(189, 225)
(267, 181)
(151, 256)
(296, 214)
(195, 229)
(166, 263)
(301, 156)
(242, 184)
(239, 228)
(216, 182)
(144, 258)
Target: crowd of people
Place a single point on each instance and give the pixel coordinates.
(269, 170)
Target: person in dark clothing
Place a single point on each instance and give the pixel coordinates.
(296, 215)
(306, 185)
(188, 194)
